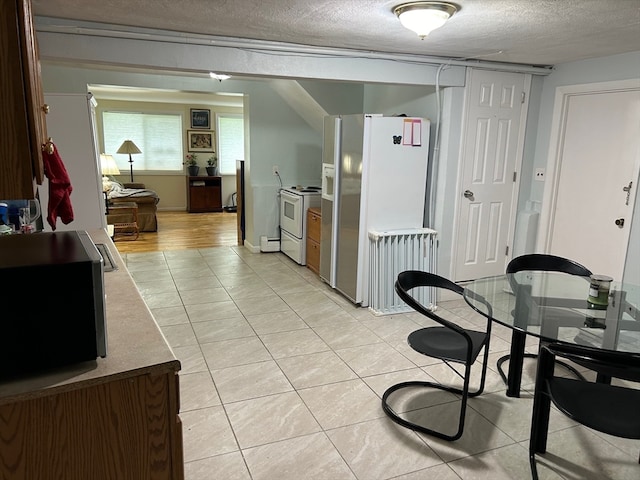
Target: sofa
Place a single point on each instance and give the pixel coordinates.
(146, 200)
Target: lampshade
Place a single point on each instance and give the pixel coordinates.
(128, 147)
(108, 165)
(424, 17)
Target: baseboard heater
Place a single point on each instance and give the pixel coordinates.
(395, 251)
(269, 244)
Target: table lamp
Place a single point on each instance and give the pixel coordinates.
(129, 147)
(107, 167)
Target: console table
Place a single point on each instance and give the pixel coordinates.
(204, 194)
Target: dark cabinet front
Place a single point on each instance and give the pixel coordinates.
(23, 130)
(204, 194)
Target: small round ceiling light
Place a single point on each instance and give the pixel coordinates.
(424, 17)
(219, 76)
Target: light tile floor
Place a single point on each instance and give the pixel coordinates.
(282, 377)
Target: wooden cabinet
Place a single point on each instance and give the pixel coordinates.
(23, 131)
(116, 417)
(123, 428)
(204, 194)
(314, 220)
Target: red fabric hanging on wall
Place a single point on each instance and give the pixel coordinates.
(59, 188)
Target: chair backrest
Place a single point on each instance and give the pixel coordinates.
(415, 278)
(547, 263)
(411, 279)
(614, 364)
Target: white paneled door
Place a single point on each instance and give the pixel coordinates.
(594, 164)
(492, 153)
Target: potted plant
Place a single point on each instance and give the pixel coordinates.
(212, 165)
(192, 164)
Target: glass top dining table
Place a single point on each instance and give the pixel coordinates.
(554, 306)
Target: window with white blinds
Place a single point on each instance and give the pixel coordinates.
(230, 142)
(157, 136)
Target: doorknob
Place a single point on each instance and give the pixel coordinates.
(620, 222)
(468, 194)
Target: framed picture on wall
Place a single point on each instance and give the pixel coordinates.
(200, 140)
(200, 118)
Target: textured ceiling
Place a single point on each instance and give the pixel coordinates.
(534, 32)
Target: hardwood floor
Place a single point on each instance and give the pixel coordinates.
(181, 230)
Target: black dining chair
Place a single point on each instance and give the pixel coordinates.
(545, 263)
(600, 406)
(449, 342)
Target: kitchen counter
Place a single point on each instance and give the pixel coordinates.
(115, 417)
(134, 341)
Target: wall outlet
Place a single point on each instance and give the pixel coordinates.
(539, 174)
(276, 170)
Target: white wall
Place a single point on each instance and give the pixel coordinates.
(70, 124)
(294, 152)
(447, 165)
(278, 135)
(348, 99)
(272, 144)
(90, 43)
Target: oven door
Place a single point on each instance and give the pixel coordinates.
(291, 206)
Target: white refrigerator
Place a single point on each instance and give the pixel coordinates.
(374, 177)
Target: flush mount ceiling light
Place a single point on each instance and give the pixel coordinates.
(424, 17)
(219, 76)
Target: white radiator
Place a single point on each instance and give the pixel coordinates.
(395, 251)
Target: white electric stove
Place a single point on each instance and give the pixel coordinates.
(294, 203)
